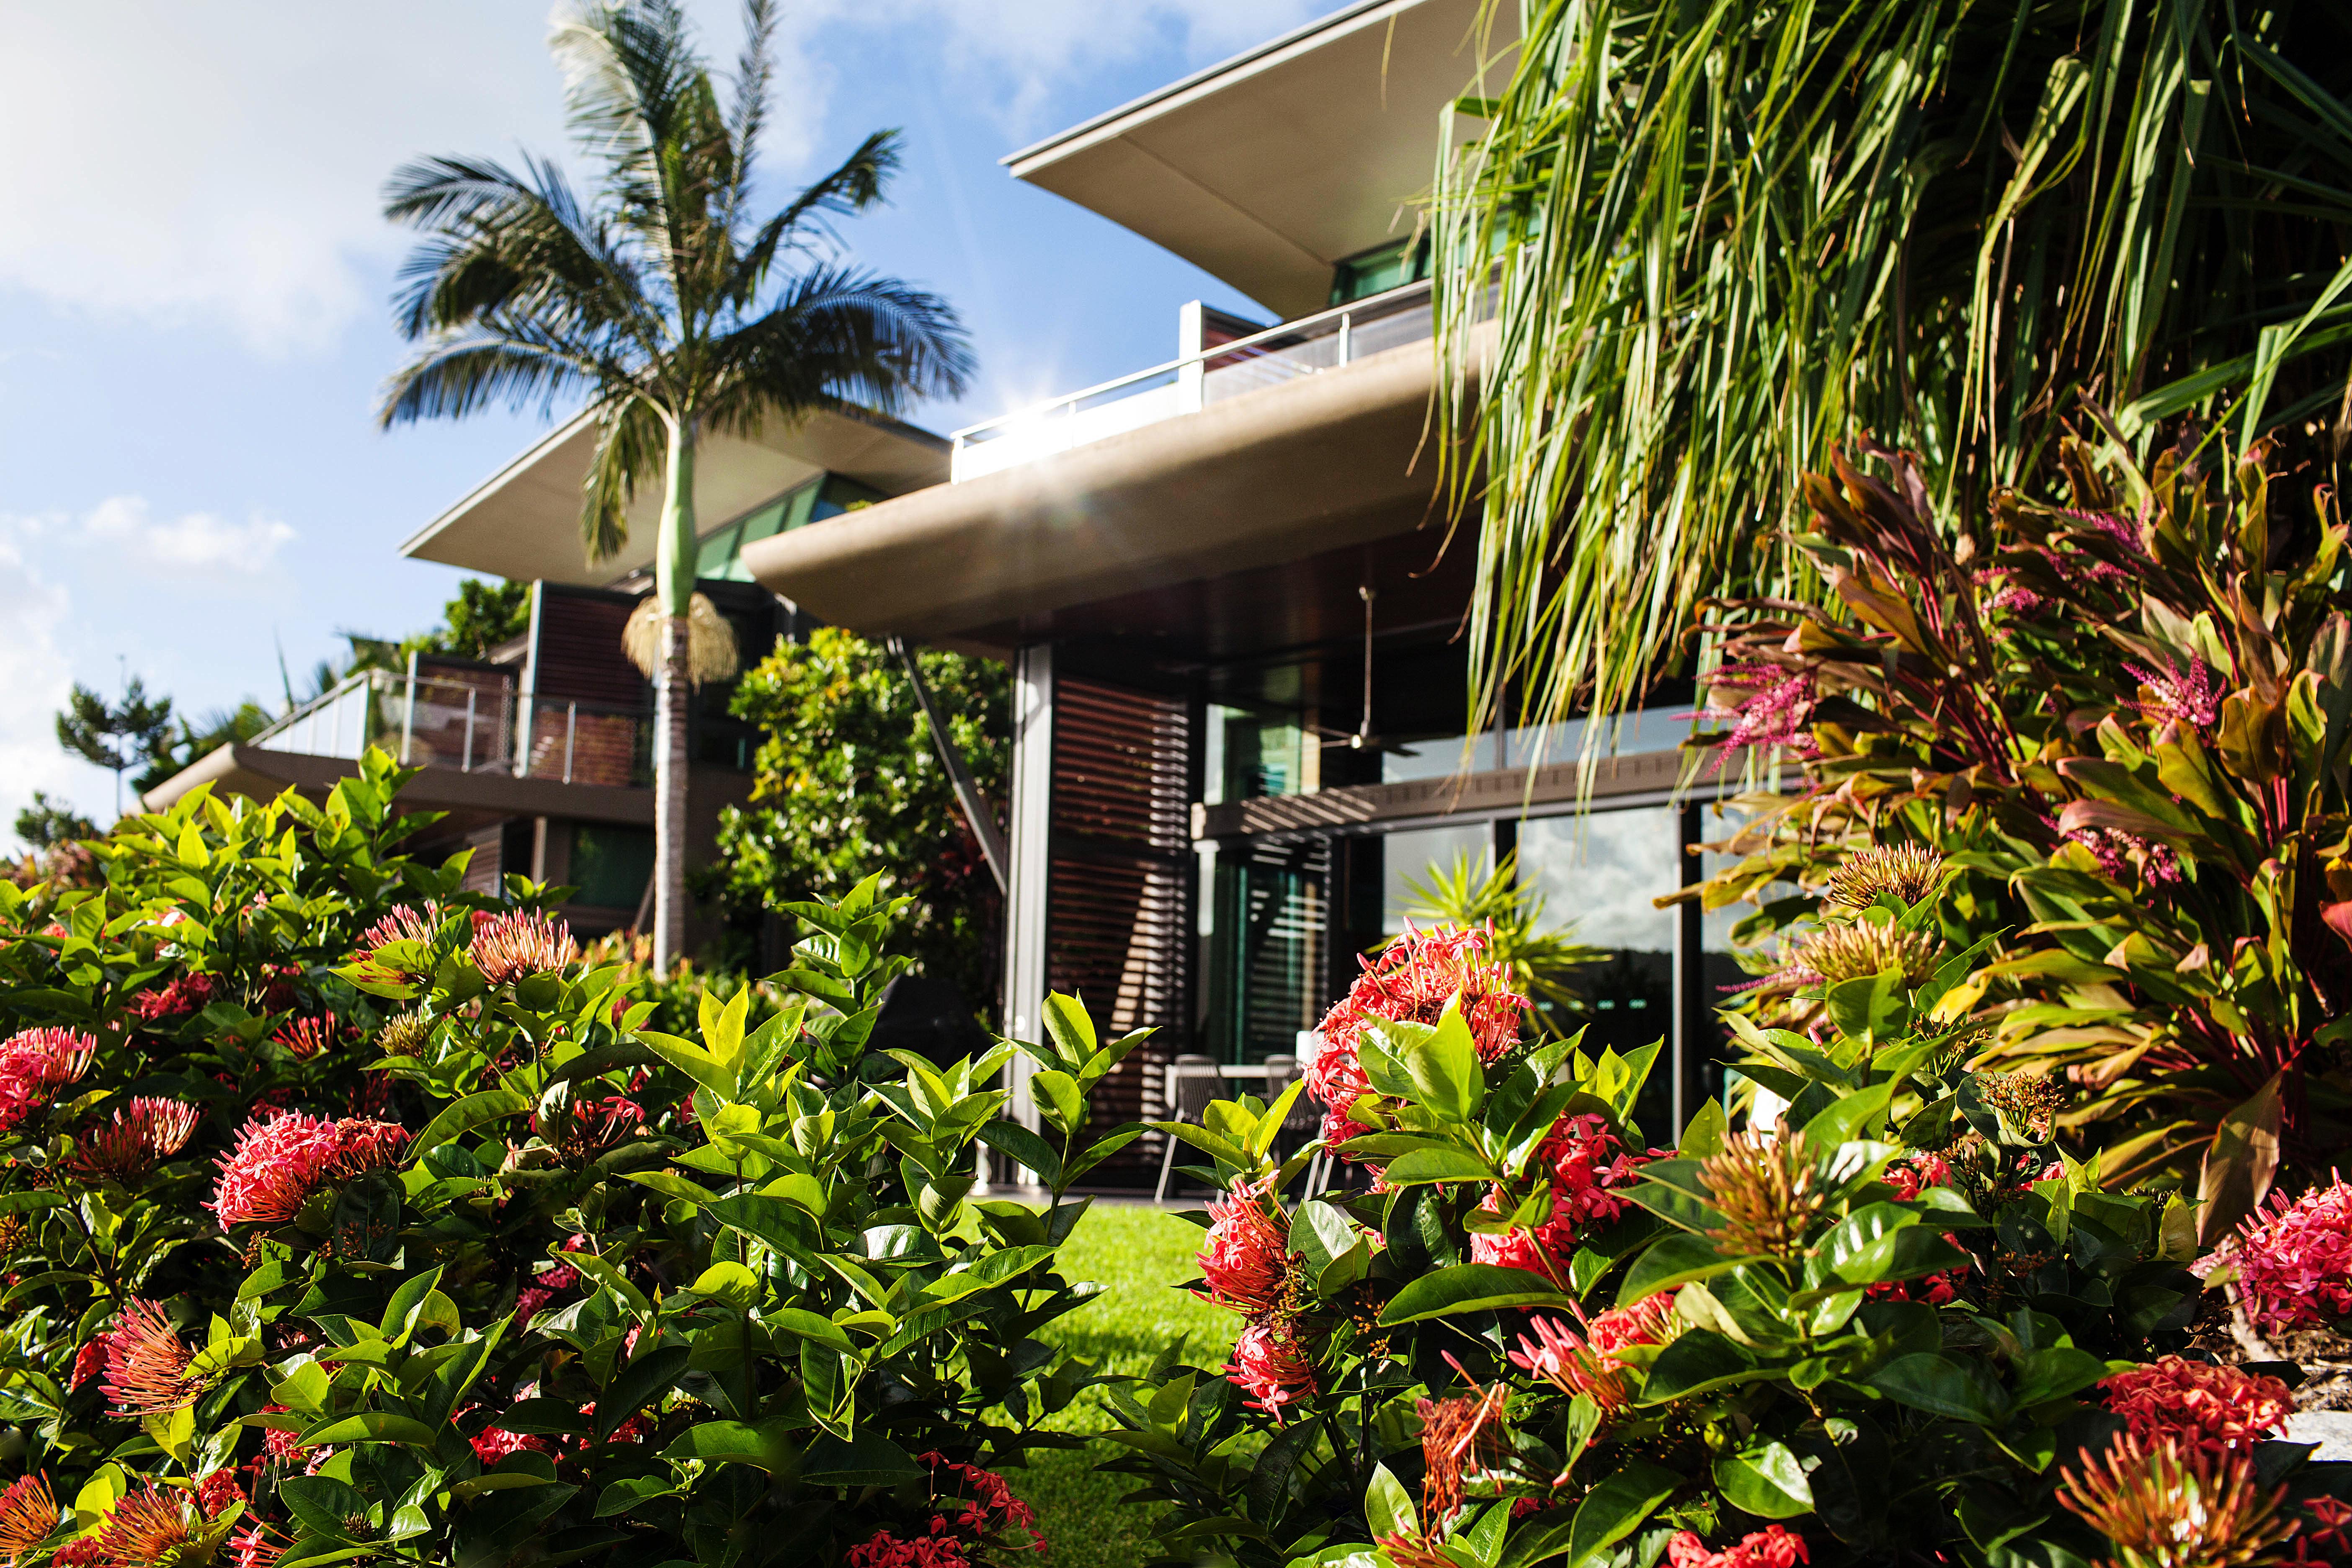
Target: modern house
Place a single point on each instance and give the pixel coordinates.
(540, 756)
(1240, 721)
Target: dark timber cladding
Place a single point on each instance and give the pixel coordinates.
(1119, 912)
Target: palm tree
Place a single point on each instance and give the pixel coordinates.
(1711, 240)
(661, 305)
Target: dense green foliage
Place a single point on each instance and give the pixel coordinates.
(2126, 723)
(1883, 1328)
(381, 1215)
(848, 780)
(1712, 240)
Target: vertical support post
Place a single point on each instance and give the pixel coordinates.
(1031, 851)
(571, 733)
(1690, 967)
(466, 764)
(1192, 375)
(1346, 320)
(408, 714)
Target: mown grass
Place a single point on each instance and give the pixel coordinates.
(1140, 1254)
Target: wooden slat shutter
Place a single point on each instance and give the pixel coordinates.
(1120, 912)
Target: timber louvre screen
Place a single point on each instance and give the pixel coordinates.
(1119, 906)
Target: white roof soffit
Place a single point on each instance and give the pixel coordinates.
(1268, 169)
(523, 523)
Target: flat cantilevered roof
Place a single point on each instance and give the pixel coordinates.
(1268, 169)
(523, 521)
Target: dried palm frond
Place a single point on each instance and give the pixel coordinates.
(711, 652)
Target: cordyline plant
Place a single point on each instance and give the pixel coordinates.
(1895, 1327)
(350, 1218)
(2123, 725)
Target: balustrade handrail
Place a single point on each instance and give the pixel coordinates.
(1338, 319)
(502, 727)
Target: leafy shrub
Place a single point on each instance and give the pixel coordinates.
(1902, 1326)
(349, 1218)
(2124, 727)
(847, 780)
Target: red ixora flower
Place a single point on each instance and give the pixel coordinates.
(141, 1136)
(36, 1063)
(1271, 1367)
(406, 922)
(521, 943)
(589, 1127)
(2215, 1408)
(1587, 1364)
(147, 1361)
(216, 1491)
(146, 1528)
(252, 1547)
(887, 1550)
(280, 1161)
(1771, 1547)
(1583, 1163)
(1246, 1261)
(2163, 1504)
(1411, 981)
(27, 1513)
(186, 995)
(2293, 1263)
(989, 1504)
(308, 1037)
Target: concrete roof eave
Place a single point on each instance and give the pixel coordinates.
(261, 775)
(1320, 463)
(1269, 169)
(523, 521)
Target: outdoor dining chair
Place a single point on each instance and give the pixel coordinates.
(1194, 1081)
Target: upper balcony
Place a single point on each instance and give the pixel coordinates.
(1218, 363)
(473, 721)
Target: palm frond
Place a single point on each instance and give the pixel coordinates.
(857, 185)
(631, 448)
(1694, 248)
(838, 334)
(454, 376)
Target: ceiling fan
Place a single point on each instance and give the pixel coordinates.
(1361, 738)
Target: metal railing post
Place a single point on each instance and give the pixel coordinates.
(408, 721)
(466, 764)
(570, 729)
(1344, 321)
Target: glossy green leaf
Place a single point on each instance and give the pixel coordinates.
(1471, 1288)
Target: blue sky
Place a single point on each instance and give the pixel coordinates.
(193, 323)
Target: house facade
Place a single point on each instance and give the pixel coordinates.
(1241, 730)
(540, 756)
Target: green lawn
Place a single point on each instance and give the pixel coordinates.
(1140, 1254)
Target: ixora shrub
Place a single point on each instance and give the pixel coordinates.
(2123, 720)
(1898, 1327)
(351, 1218)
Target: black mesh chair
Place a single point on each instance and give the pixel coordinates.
(1192, 1083)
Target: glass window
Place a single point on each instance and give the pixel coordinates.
(1411, 856)
(1597, 873)
(1267, 966)
(1379, 270)
(1254, 755)
(610, 864)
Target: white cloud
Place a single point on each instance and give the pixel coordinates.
(196, 542)
(221, 163)
(35, 676)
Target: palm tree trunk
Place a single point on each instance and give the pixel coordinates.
(673, 563)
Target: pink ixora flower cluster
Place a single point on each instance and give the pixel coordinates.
(280, 1161)
(1245, 1266)
(1411, 981)
(1909, 1176)
(1585, 1166)
(2294, 1262)
(141, 1136)
(2197, 1405)
(1771, 1547)
(36, 1063)
(187, 994)
(519, 943)
(989, 1510)
(1588, 1363)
